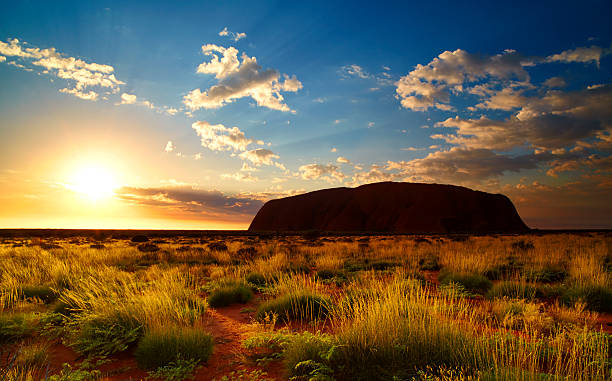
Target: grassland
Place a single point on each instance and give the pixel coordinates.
(307, 308)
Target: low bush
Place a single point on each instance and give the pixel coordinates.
(547, 275)
(296, 306)
(43, 293)
(474, 283)
(229, 294)
(502, 271)
(597, 298)
(256, 279)
(103, 334)
(167, 345)
(513, 290)
(16, 326)
(326, 274)
(430, 262)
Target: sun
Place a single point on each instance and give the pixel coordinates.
(94, 182)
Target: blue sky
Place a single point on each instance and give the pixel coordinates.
(509, 98)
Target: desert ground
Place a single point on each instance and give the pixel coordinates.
(129, 306)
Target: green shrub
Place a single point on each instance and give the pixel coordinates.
(44, 293)
(474, 283)
(103, 334)
(327, 274)
(16, 326)
(430, 263)
(514, 290)
(175, 371)
(257, 279)
(161, 347)
(308, 356)
(547, 275)
(230, 294)
(297, 306)
(597, 298)
(503, 271)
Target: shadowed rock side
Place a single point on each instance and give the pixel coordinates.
(392, 207)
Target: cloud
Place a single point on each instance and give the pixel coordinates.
(327, 172)
(2, 58)
(555, 82)
(190, 199)
(582, 54)
(238, 79)
(459, 165)
(169, 146)
(354, 71)
(261, 156)
(240, 176)
(343, 160)
(83, 74)
(234, 36)
(128, 99)
(88, 96)
(555, 120)
(217, 137)
(430, 86)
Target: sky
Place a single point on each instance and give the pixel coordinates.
(190, 115)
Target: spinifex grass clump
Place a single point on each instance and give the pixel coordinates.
(515, 290)
(162, 346)
(113, 309)
(474, 283)
(302, 306)
(230, 293)
(16, 326)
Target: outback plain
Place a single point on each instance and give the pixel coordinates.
(239, 306)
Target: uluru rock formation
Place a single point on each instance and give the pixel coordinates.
(392, 207)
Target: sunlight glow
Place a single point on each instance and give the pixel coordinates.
(93, 181)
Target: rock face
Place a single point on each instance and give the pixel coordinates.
(392, 207)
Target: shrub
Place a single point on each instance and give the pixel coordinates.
(140, 238)
(104, 334)
(330, 274)
(296, 306)
(471, 282)
(503, 271)
(230, 294)
(308, 356)
(514, 290)
(44, 293)
(161, 347)
(547, 275)
(16, 326)
(523, 245)
(430, 263)
(256, 279)
(597, 298)
(35, 355)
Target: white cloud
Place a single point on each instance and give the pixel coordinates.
(233, 35)
(261, 156)
(327, 172)
(343, 160)
(371, 124)
(217, 137)
(354, 71)
(582, 54)
(333, 149)
(430, 86)
(240, 176)
(2, 58)
(84, 74)
(128, 99)
(239, 79)
(169, 146)
(88, 96)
